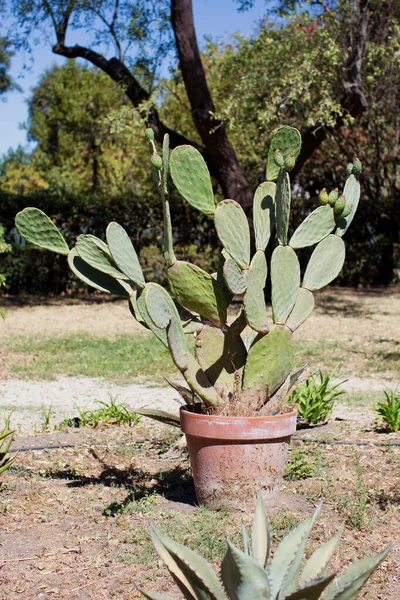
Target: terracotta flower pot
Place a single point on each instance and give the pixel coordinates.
(233, 458)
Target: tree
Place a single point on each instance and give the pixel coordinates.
(140, 34)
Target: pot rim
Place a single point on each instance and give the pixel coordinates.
(238, 429)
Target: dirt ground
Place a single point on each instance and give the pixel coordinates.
(74, 519)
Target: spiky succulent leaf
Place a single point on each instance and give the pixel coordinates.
(254, 303)
(190, 175)
(153, 595)
(193, 571)
(297, 543)
(259, 267)
(234, 277)
(264, 213)
(352, 193)
(245, 539)
(282, 206)
(318, 563)
(261, 536)
(38, 229)
(159, 415)
(325, 263)
(124, 254)
(220, 356)
(285, 282)
(233, 231)
(314, 228)
(97, 279)
(96, 254)
(347, 586)
(302, 309)
(285, 565)
(269, 362)
(287, 140)
(312, 591)
(197, 291)
(242, 576)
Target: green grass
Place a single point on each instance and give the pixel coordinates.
(120, 358)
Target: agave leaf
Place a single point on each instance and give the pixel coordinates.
(242, 576)
(185, 393)
(285, 565)
(246, 541)
(160, 415)
(7, 464)
(261, 533)
(319, 561)
(195, 576)
(153, 595)
(347, 586)
(312, 591)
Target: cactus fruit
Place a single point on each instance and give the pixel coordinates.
(333, 196)
(339, 205)
(250, 359)
(357, 167)
(323, 197)
(149, 133)
(252, 573)
(156, 161)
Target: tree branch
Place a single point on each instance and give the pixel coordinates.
(119, 73)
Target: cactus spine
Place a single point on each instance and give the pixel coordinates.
(250, 358)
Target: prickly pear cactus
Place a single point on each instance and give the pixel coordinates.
(250, 361)
(250, 572)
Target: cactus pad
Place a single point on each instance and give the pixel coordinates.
(314, 228)
(325, 263)
(287, 140)
(352, 193)
(177, 343)
(159, 332)
(124, 254)
(233, 231)
(234, 277)
(220, 356)
(190, 175)
(264, 213)
(37, 228)
(96, 254)
(282, 206)
(254, 304)
(97, 279)
(269, 362)
(160, 305)
(301, 310)
(200, 383)
(197, 291)
(259, 267)
(285, 282)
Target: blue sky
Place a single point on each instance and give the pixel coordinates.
(212, 17)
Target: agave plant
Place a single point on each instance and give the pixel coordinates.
(251, 573)
(245, 367)
(6, 438)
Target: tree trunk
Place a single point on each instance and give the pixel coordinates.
(219, 150)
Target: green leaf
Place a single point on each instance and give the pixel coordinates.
(124, 254)
(282, 206)
(190, 175)
(159, 415)
(325, 263)
(318, 563)
(264, 213)
(242, 576)
(314, 228)
(285, 282)
(194, 576)
(96, 254)
(261, 536)
(352, 193)
(37, 228)
(233, 231)
(97, 279)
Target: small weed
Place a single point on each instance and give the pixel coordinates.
(108, 413)
(301, 465)
(315, 399)
(282, 523)
(357, 508)
(46, 414)
(389, 410)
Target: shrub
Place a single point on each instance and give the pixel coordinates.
(315, 399)
(389, 410)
